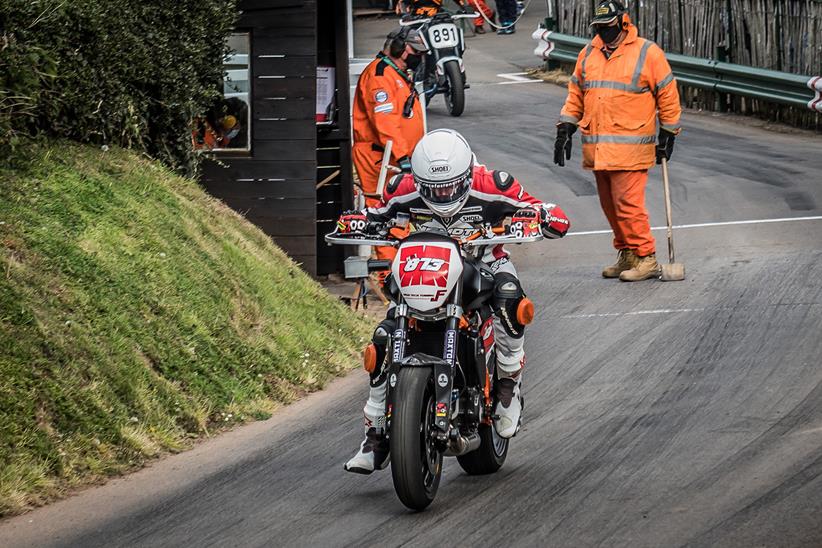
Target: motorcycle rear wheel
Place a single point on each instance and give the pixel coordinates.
(416, 463)
(489, 457)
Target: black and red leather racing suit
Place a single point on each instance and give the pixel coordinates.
(494, 196)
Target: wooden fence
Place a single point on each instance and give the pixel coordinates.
(784, 35)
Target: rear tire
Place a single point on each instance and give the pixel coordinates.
(489, 457)
(416, 464)
(455, 98)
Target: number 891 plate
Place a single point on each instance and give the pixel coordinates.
(444, 35)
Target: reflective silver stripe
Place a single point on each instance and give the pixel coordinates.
(588, 51)
(574, 79)
(640, 63)
(619, 139)
(664, 82)
(566, 118)
(607, 84)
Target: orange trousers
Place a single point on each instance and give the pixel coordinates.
(480, 5)
(622, 197)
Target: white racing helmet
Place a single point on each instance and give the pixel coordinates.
(443, 165)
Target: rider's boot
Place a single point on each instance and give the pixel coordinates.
(508, 411)
(373, 453)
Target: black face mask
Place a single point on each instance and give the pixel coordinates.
(608, 34)
(413, 61)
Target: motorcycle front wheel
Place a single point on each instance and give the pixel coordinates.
(416, 463)
(455, 97)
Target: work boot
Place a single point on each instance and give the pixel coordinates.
(509, 407)
(645, 267)
(626, 259)
(373, 453)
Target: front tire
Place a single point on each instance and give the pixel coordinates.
(455, 98)
(416, 464)
(489, 457)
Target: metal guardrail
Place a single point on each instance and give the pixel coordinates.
(768, 85)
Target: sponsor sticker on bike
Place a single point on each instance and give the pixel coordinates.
(392, 380)
(442, 380)
(442, 410)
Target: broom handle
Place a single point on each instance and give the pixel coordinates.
(667, 190)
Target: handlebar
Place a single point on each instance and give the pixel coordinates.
(473, 241)
(407, 21)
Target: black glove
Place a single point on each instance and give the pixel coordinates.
(405, 164)
(562, 147)
(665, 145)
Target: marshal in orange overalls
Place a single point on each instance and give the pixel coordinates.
(615, 101)
(379, 101)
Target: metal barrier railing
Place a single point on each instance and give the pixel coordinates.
(768, 85)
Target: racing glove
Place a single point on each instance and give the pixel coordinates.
(562, 146)
(352, 222)
(525, 222)
(554, 222)
(665, 145)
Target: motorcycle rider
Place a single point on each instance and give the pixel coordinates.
(429, 8)
(448, 189)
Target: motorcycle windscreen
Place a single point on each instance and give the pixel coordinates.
(426, 273)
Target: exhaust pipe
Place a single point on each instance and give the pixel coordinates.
(462, 445)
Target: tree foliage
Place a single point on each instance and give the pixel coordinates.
(126, 72)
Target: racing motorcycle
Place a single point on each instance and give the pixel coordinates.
(442, 70)
(440, 363)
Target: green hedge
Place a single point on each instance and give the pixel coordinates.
(125, 72)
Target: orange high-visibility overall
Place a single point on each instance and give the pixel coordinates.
(615, 102)
(379, 101)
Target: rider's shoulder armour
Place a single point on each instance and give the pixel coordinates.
(503, 180)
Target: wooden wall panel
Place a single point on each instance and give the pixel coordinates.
(277, 129)
(274, 187)
(275, 85)
(295, 189)
(279, 149)
(290, 41)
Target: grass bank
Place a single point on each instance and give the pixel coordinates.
(137, 314)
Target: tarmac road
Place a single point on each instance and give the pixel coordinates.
(658, 414)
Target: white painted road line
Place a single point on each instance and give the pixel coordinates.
(515, 78)
(703, 225)
(633, 313)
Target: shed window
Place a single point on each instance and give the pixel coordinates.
(227, 125)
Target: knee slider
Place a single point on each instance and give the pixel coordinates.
(508, 295)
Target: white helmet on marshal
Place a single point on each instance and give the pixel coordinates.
(443, 165)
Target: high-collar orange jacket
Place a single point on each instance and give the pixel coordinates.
(378, 116)
(616, 101)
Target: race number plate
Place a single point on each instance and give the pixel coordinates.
(444, 35)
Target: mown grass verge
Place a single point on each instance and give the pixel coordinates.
(136, 314)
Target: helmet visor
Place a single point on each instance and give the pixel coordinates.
(446, 192)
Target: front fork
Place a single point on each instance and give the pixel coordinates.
(443, 370)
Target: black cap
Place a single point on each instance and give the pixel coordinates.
(606, 12)
(410, 37)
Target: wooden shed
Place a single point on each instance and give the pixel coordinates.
(285, 141)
